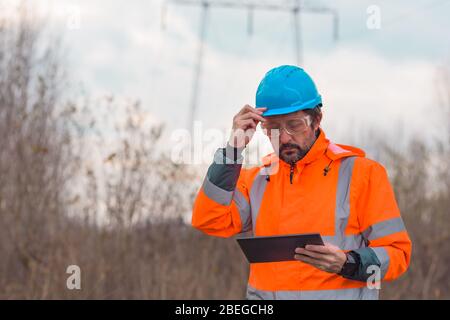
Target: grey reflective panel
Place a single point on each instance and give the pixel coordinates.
(348, 242)
(244, 210)
(383, 256)
(384, 228)
(256, 196)
(216, 194)
(363, 293)
(342, 210)
(255, 294)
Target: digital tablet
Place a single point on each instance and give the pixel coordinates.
(276, 248)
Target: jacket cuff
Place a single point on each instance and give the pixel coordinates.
(233, 154)
(367, 258)
(224, 172)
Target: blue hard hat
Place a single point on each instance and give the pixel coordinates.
(286, 89)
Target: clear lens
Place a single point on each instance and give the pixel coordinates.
(292, 126)
(297, 125)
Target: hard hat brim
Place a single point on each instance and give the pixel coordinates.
(279, 111)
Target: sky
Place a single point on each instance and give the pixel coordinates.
(370, 79)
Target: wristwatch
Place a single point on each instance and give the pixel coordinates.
(351, 265)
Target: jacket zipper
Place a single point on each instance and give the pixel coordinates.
(291, 174)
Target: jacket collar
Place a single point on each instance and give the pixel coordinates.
(321, 146)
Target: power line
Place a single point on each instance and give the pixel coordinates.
(296, 8)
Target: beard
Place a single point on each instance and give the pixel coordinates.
(291, 152)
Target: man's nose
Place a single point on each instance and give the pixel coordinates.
(284, 136)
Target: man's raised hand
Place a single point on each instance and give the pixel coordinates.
(244, 125)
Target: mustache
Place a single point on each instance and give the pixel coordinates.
(285, 146)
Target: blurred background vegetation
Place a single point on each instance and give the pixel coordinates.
(118, 217)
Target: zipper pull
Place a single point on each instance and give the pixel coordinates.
(291, 174)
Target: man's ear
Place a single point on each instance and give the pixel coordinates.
(318, 121)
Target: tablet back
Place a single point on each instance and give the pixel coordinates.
(276, 248)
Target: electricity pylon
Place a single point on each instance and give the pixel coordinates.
(295, 7)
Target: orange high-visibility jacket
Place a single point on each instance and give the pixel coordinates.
(334, 190)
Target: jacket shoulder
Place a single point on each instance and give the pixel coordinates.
(368, 164)
(366, 170)
(338, 151)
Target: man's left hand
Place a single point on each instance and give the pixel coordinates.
(328, 258)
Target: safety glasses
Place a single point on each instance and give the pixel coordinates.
(292, 126)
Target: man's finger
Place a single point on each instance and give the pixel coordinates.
(243, 110)
(253, 116)
(247, 123)
(312, 254)
(309, 260)
(247, 108)
(321, 249)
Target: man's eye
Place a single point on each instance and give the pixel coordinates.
(295, 124)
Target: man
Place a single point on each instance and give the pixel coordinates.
(311, 186)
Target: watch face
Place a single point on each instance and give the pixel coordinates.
(350, 259)
(350, 266)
